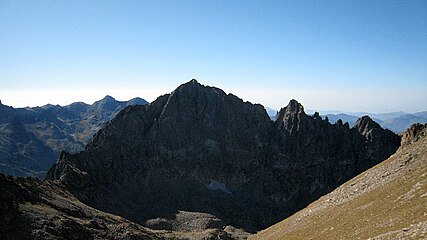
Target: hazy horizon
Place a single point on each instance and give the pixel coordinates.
(124, 96)
(365, 56)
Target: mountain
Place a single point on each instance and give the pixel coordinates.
(32, 138)
(396, 121)
(380, 116)
(421, 114)
(387, 201)
(218, 159)
(401, 123)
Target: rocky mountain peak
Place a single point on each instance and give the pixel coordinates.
(291, 116)
(294, 107)
(192, 83)
(105, 101)
(195, 101)
(366, 124)
(191, 87)
(108, 103)
(108, 98)
(380, 142)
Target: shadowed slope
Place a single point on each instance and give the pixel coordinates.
(32, 209)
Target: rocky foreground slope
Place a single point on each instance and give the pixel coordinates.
(199, 150)
(31, 139)
(388, 201)
(32, 209)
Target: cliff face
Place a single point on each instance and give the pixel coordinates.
(317, 156)
(201, 150)
(379, 143)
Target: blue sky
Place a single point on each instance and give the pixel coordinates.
(329, 55)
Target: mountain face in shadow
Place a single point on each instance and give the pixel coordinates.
(201, 150)
(32, 138)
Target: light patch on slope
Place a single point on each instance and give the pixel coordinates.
(215, 185)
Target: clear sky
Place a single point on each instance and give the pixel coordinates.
(329, 55)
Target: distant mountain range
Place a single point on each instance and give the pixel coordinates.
(32, 138)
(397, 122)
(394, 121)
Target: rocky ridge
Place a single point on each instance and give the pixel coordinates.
(201, 150)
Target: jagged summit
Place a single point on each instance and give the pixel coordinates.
(381, 141)
(190, 85)
(108, 103)
(295, 106)
(291, 115)
(193, 87)
(366, 123)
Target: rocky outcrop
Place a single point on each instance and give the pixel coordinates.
(379, 143)
(414, 133)
(201, 150)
